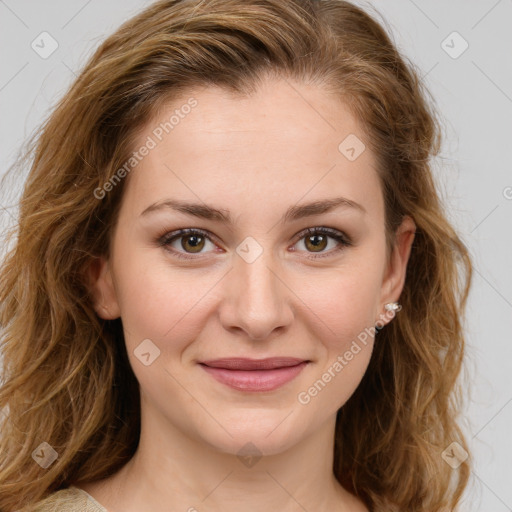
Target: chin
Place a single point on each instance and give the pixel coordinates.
(256, 433)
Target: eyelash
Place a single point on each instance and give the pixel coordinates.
(344, 241)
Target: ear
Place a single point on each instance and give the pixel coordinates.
(102, 289)
(394, 275)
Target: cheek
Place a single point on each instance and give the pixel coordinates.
(159, 302)
(335, 383)
(343, 308)
(344, 300)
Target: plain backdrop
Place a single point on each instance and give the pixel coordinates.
(464, 51)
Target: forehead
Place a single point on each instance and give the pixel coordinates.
(283, 142)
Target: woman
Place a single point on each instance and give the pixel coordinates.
(233, 284)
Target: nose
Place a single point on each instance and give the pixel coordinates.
(256, 299)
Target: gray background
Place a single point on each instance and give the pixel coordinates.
(474, 95)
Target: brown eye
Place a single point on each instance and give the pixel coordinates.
(192, 243)
(316, 242)
(323, 241)
(186, 241)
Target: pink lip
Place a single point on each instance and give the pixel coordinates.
(254, 374)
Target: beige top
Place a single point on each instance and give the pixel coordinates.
(72, 499)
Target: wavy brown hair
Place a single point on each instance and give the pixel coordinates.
(66, 376)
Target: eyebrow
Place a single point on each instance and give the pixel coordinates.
(293, 213)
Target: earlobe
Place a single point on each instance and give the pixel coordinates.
(102, 289)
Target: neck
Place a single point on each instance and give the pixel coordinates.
(175, 471)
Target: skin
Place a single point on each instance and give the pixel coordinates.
(256, 157)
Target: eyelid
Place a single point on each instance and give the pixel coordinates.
(169, 236)
(332, 232)
(342, 238)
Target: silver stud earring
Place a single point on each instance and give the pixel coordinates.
(392, 306)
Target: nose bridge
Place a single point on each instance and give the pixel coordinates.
(257, 301)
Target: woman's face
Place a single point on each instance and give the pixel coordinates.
(251, 174)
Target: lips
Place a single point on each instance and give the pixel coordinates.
(253, 364)
(254, 374)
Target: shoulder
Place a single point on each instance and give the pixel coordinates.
(71, 499)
